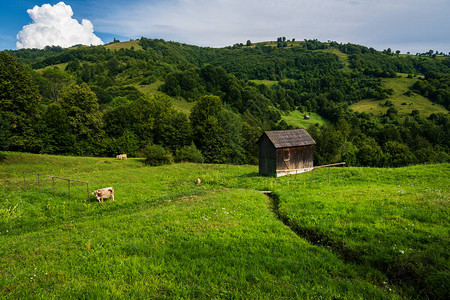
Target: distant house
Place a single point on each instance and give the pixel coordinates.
(283, 152)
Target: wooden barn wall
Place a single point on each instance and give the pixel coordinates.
(299, 158)
(267, 157)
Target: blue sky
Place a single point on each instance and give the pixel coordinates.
(406, 25)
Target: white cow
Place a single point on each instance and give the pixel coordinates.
(121, 156)
(104, 193)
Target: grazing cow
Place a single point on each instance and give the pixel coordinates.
(104, 193)
(121, 156)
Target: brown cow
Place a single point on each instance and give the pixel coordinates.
(104, 193)
(121, 156)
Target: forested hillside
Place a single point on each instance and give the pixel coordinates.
(125, 98)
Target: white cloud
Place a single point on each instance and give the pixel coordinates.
(54, 26)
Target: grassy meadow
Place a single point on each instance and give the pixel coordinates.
(403, 103)
(376, 233)
(124, 45)
(296, 119)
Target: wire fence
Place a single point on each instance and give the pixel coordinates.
(40, 183)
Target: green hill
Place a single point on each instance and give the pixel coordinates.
(123, 97)
(374, 233)
(403, 99)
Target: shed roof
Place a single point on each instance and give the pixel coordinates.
(289, 138)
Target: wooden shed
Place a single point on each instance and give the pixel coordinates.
(283, 152)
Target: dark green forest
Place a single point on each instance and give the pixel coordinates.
(88, 101)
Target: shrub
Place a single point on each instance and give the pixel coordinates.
(388, 103)
(408, 93)
(156, 155)
(189, 153)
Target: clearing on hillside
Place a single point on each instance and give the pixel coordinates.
(124, 45)
(403, 102)
(297, 119)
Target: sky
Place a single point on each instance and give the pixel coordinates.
(406, 25)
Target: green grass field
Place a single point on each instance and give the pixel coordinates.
(265, 81)
(342, 56)
(152, 88)
(61, 67)
(403, 103)
(179, 104)
(270, 82)
(166, 237)
(296, 119)
(124, 45)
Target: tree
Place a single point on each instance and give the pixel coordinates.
(207, 134)
(85, 119)
(156, 155)
(189, 153)
(232, 125)
(55, 131)
(127, 142)
(249, 43)
(19, 104)
(176, 131)
(4, 133)
(250, 136)
(398, 154)
(370, 153)
(53, 82)
(329, 143)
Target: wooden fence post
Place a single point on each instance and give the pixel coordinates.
(68, 180)
(24, 181)
(312, 175)
(39, 186)
(53, 180)
(87, 189)
(329, 170)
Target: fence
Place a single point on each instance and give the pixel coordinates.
(329, 170)
(312, 170)
(53, 181)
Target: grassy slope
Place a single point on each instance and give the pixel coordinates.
(179, 104)
(399, 85)
(296, 118)
(394, 220)
(342, 56)
(163, 237)
(166, 237)
(124, 45)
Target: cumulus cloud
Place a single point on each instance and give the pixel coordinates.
(54, 26)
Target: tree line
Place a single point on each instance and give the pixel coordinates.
(91, 105)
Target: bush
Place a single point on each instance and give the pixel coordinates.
(388, 103)
(156, 155)
(189, 153)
